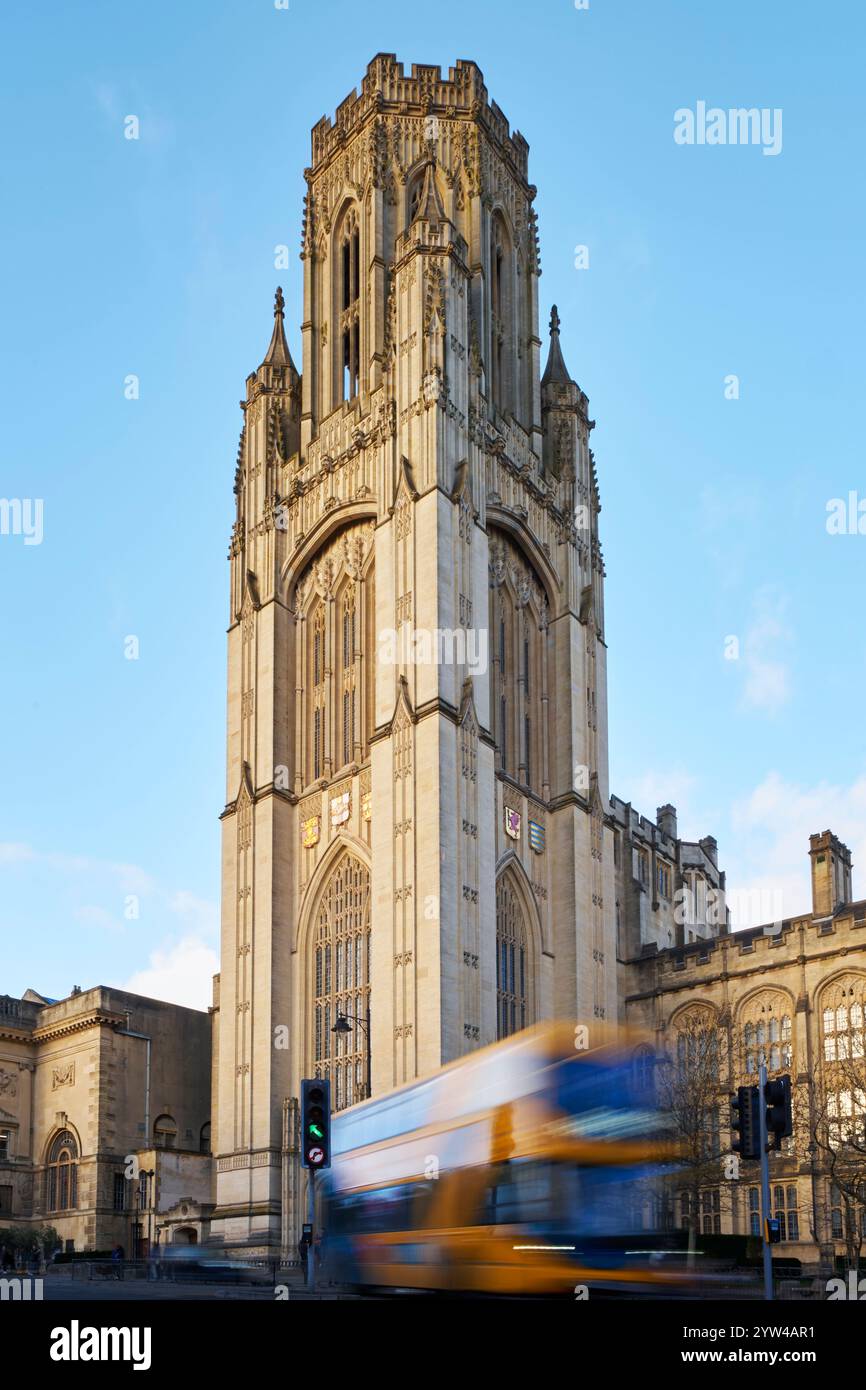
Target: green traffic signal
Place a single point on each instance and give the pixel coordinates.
(316, 1123)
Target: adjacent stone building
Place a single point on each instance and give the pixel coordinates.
(669, 892)
(95, 1089)
(791, 994)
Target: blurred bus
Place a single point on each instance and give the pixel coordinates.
(515, 1170)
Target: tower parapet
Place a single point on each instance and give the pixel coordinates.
(387, 91)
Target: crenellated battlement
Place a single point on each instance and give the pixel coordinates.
(386, 90)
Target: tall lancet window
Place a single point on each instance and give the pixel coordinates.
(513, 964)
(318, 691)
(347, 674)
(349, 271)
(341, 980)
(335, 657)
(500, 315)
(506, 682)
(519, 651)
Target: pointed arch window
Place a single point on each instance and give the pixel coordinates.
(507, 684)
(766, 1037)
(61, 1175)
(520, 660)
(349, 271)
(501, 314)
(341, 979)
(513, 966)
(334, 661)
(415, 198)
(842, 1024)
(347, 675)
(318, 690)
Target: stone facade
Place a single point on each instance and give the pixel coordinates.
(88, 1084)
(416, 801)
(795, 992)
(669, 892)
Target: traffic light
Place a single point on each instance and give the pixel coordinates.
(316, 1123)
(746, 1122)
(777, 1095)
(773, 1230)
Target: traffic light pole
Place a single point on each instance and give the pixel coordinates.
(766, 1209)
(311, 1217)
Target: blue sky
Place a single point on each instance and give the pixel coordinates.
(155, 257)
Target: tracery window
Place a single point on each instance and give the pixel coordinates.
(842, 1024)
(349, 271)
(843, 1016)
(518, 627)
(664, 879)
(846, 1116)
(513, 980)
(698, 1049)
(501, 314)
(317, 689)
(766, 1035)
(347, 682)
(703, 1210)
(341, 980)
(785, 1209)
(61, 1176)
(335, 657)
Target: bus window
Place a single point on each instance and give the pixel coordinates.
(519, 1190)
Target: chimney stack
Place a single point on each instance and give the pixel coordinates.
(831, 873)
(666, 820)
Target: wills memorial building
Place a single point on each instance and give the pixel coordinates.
(417, 787)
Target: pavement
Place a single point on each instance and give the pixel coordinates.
(61, 1288)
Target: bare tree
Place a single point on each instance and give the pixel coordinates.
(837, 1133)
(689, 1090)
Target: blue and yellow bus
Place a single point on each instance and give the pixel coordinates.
(514, 1170)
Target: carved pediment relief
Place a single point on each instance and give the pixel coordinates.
(8, 1083)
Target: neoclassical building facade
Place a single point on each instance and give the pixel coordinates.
(416, 798)
(105, 1119)
(790, 994)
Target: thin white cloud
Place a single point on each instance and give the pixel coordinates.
(13, 853)
(125, 899)
(199, 914)
(179, 972)
(93, 916)
(767, 677)
(767, 860)
(131, 878)
(658, 788)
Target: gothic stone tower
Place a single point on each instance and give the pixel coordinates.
(417, 721)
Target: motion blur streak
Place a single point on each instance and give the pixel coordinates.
(516, 1170)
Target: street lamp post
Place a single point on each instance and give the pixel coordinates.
(344, 1026)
